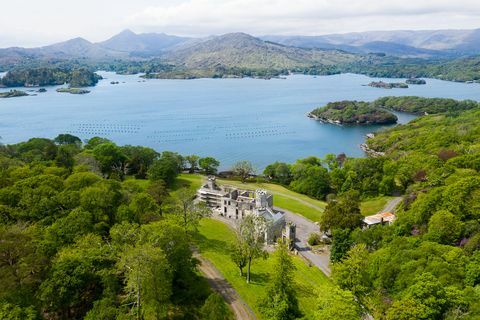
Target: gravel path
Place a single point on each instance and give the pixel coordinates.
(240, 309)
(391, 205)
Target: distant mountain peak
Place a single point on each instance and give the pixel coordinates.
(127, 32)
(78, 40)
(131, 42)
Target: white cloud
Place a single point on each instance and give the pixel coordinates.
(306, 16)
(31, 22)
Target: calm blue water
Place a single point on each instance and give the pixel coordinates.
(230, 119)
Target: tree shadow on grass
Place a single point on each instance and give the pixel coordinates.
(259, 278)
(180, 183)
(204, 243)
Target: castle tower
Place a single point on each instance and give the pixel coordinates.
(261, 199)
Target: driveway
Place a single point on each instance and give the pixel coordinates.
(306, 227)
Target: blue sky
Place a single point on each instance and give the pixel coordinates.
(34, 23)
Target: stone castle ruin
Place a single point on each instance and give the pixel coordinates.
(234, 203)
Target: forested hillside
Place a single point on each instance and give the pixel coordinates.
(79, 238)
(425, 265)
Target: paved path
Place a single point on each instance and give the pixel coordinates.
(240, 309)
(305, 227)
(391, 205)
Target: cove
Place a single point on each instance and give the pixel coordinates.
(230, 119)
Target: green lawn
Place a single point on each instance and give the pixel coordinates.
(191, 181)
(286, 199)
(374, 205)
(214, 239)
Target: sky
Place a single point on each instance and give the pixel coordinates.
(30, 23)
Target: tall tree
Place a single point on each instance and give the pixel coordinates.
(148, 280)
(251, 234)
(159, 192)
(351, 273)
(66, 138)
(338, 304)
(280, 302)
(238, 253)
(65, 156)
(192, 162)
(189, 211)
(111, 159)
(243, 169)
(139, 159)
(341, 244)
(166, 168)
(209, 165)
(444, 227)
(342, 213)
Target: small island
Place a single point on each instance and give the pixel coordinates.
(50, 76)
(388, 85)
(42, 90)
(415, 81)
(352, 113)
(73, 90)
(13, 94)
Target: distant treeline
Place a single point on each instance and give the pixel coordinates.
(374, 65)
(48, 76)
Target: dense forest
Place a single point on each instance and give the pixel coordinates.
(461, 69)
(353, 112)
(427, 264)
(420, 106)
(80, 237)
(49, 76)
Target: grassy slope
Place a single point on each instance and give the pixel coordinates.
(282, 196)
(298, 203)
(192, 181)
(213, 241)
(374, 205)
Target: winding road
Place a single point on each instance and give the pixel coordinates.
(305, 227)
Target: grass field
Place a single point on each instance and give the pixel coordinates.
(298, 203)
(191, 181)
(214, 239)
(373, 206)
(295, 202)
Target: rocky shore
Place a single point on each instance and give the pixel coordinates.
(388, 85)
(73, 90)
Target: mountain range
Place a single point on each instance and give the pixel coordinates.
(403, 42)
(242, 50)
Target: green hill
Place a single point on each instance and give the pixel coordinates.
(240, 50)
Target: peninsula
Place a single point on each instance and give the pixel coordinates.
(353, 113)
